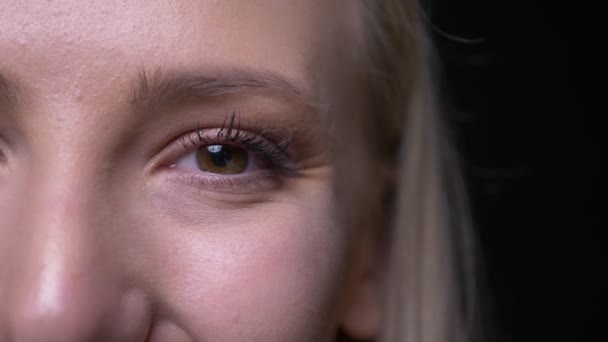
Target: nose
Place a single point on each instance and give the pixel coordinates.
(64, 281)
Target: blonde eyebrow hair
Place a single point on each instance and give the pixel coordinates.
(9, 89)
(156, 89)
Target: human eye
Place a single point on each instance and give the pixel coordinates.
(233, 157)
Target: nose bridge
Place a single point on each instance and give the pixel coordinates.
(61, 283)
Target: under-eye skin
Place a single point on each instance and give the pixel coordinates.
(230, 158)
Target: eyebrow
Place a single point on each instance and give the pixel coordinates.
(158, 89)
(8, 90)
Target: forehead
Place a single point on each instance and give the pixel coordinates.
(75, 43)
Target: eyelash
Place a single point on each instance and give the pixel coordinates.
(270, 146)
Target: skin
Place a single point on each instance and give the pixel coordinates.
(108, 234)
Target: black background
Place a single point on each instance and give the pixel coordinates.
(525, 84)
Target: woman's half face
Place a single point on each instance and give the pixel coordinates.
(165, 170)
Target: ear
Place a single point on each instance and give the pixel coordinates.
(362, 315)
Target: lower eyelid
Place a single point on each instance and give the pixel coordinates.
(253, 182)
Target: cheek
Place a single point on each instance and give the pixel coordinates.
(268, 271)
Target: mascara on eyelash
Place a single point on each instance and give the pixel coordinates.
(268, 144)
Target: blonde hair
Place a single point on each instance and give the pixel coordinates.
(417, 194)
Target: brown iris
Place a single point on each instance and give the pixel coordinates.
(222, 159)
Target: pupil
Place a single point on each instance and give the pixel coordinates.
(220, 155)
